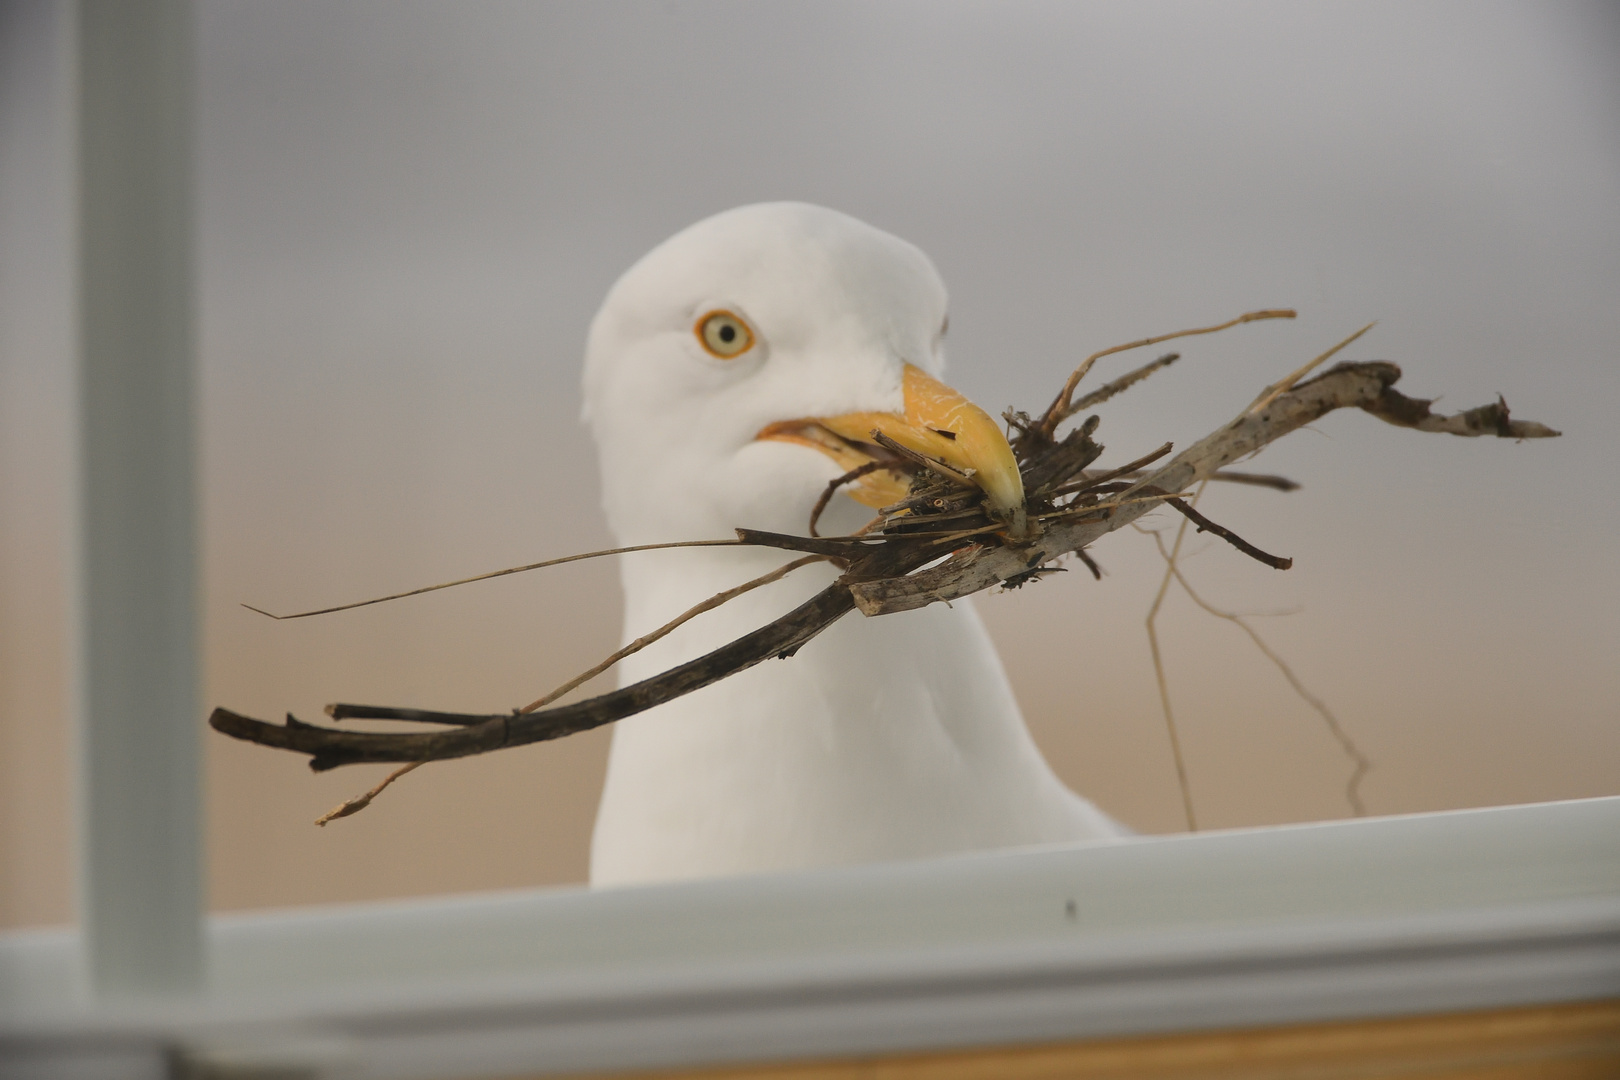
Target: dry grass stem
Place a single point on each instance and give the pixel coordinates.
(663, 631)
(1363, 765)
(1061, 409)
(360, 802)
(1277, 389)
(1158, 672)
(501, 573)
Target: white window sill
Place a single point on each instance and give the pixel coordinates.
(1344, 920)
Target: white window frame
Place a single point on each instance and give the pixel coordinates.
(1377, 918)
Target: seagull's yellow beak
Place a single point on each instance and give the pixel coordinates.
(938, 423)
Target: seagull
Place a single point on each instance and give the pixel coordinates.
(730, 375)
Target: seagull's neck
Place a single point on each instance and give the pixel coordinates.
(888, 737)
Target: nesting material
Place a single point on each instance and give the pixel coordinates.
(941, 538)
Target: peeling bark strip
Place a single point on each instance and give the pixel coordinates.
(881, 566)
(1396, 408)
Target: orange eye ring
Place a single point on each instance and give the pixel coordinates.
(723, 335)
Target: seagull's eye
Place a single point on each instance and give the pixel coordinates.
(724, 335)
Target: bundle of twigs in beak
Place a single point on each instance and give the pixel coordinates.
(939, 543)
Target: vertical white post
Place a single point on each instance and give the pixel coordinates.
(140, 861)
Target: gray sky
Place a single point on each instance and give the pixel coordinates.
(409, 212)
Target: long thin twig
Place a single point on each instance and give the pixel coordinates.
(1158, 673)
(1061, 409)
(504, 573)
(927, 461)
(1363, 765)
(833, 485)
(1266, 480)
(1230, 476)
(1276, 562)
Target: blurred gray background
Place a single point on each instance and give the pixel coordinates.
(409, 212)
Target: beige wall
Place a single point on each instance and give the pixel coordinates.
(404, 234)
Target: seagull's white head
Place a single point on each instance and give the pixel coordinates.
(741, 365)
